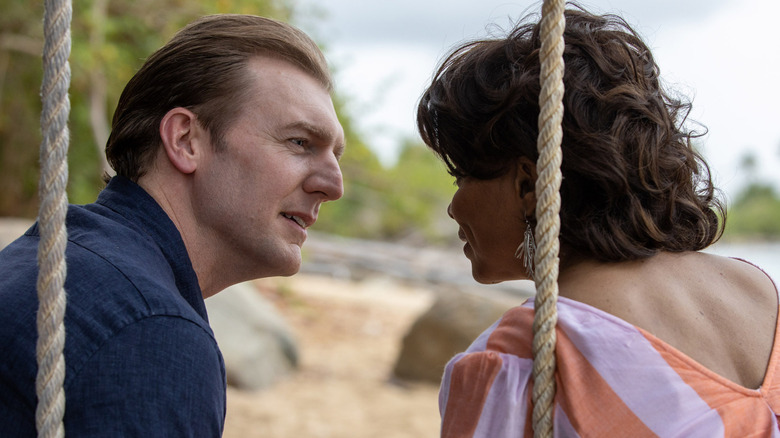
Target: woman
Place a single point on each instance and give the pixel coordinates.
(655, 338)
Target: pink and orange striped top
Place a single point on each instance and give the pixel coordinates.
(613, 380)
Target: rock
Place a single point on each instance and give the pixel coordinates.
(256, 342)
(452, 323)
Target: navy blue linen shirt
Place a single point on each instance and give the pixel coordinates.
(140, 357)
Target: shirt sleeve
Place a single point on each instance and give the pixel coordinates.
(486, 394)
(160, 376)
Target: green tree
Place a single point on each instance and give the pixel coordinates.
(110, 40)
(755, 214)
(422, 192)
(20, 54)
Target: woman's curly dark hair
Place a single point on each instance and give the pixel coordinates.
(632, 185)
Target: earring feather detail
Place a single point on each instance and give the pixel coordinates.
(527, 249)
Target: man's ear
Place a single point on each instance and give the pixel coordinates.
(525, 184)
(182, 138)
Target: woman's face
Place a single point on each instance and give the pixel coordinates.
(491, 217)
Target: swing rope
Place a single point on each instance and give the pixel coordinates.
(51, 219)
(547, 213)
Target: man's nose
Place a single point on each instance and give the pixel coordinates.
(327, 179)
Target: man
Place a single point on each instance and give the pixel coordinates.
(225, 144)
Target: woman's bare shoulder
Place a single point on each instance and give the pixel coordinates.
(667, 278)
(721, 312)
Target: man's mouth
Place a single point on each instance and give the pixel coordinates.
(297, 219)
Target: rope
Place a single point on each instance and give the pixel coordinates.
(51, 219)
(547, 212)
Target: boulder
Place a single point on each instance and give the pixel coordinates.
(257, 344)
(452, 323)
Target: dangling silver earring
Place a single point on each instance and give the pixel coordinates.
(527, 249)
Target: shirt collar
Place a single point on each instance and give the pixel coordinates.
(133, 203)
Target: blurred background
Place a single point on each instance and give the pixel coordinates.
(384, 255)
(720, 53)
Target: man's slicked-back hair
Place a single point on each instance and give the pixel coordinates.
(202, 68)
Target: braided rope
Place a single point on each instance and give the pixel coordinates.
(51, 219)
(547, 212)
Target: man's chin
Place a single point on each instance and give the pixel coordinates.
(287, 262)
(291, 267)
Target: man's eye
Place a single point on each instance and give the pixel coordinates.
(299, 141)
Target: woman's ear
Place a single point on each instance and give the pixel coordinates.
(182, 139)
(525, 184)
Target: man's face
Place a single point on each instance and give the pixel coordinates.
(256, 198)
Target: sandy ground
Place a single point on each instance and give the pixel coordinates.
(349, 337)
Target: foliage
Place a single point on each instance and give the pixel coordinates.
(755, 214)
(20, 78)
(422, 192)
(110, 40)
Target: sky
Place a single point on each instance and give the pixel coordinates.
(723, 54)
